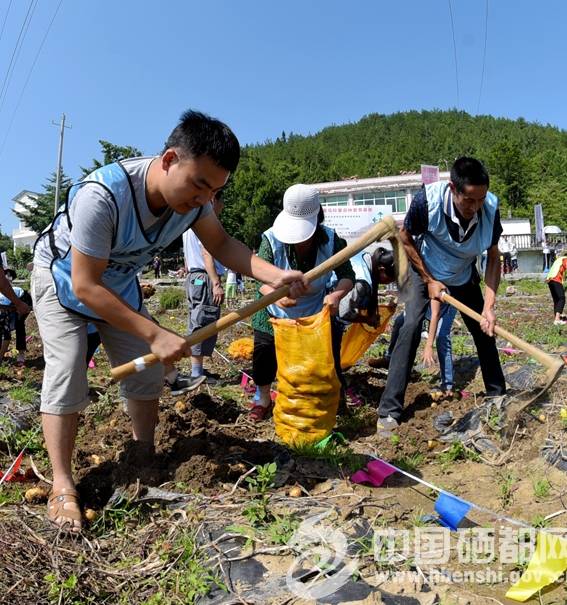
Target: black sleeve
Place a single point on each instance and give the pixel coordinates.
(497, 231)
(417, 219)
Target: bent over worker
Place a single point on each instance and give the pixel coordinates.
(85, 270)
(454, 222)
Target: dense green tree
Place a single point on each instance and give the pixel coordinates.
(111, 153)
(37, 215)
(527, 162)
(6, 242)
(19, 260)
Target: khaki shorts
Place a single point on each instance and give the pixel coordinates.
(64, 335)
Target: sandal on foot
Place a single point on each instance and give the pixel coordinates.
(66, 519)
(258, 413)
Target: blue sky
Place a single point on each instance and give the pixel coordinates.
(125, 70)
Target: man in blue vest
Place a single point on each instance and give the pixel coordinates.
(452, 223)
(86, 262)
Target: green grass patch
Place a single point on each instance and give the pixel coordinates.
(546, 334)
(378, 349)
(506, 482)
(171, 298)
(11, 493)
(357, 419)
(24, 393)
(31, 439)
(542, 488)
(409, 463)
(121, 518)
(462, 345)
(457, 452)
(188, 578)
(338, 455)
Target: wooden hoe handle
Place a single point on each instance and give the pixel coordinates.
(382, 230)
(547, 360)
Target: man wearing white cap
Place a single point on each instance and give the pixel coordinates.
(297, 239)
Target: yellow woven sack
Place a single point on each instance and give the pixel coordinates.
(308, 388)
(358, 338)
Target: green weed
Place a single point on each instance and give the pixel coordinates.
(378, 349)
(61, 591)
(462, 345)
(356, 420)
(495, 422)
(416, 519)
(276, 528)
(11, 494)
(171, 298)
(282, 528)
(121, 518)
(257, 511)
(188, 578)
(24, 393)
(410, 463)
(541, 334)
(31, 439)
(457, 451)
(507, 481)
(542, 488)
(339, 456)
(106, 403)
(540, 521)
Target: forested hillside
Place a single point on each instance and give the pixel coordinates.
(527, 162)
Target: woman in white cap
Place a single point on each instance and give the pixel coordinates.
(297, 239)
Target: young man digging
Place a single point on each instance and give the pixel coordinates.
(85, 264)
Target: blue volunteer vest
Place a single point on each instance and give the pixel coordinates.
(5, 301)
(312, 302)
(132, 247)
(360, 268)
(450, 261)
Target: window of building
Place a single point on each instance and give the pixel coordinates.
(334, 200)
(395, 199)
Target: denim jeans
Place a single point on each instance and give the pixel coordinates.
(442, 342)
(444, 346)
(405, 348)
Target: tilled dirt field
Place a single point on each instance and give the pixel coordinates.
(194, 523)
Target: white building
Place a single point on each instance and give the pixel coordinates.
(352, 206)
(23, 236)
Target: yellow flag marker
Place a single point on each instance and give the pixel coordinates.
(547, 564)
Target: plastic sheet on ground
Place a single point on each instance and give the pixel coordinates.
(16, 416)
(249, 580)
(522, 377)
(554, 453)
(469, 428)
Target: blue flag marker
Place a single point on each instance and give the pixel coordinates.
(451, 510)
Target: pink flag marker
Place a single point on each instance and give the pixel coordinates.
(244, 380)
(376, 473)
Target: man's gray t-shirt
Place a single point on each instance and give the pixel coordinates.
(94, 216)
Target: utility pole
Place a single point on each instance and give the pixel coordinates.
(59, 158)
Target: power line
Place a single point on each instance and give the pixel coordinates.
(483, 56)
(37, 54)
(16, 51)
(5, 19)
(455, 53)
